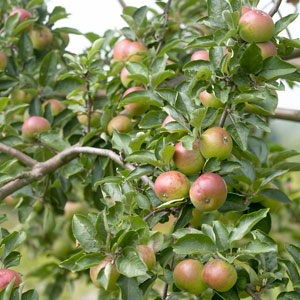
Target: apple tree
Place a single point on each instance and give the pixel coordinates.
(143, 166)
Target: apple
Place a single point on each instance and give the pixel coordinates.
(147, 255)
(33, 127)
(245, 9)
(210, 100)
(62, 247)
(256, 26)
(171, 185)
(18, 96)
(6, 276)
(187, 276)
(120, 123)
(71, 208)
(188, 162)
(267, 49)
(41, 38)
(200, 55)
(11, 201)
(124, 77)
(56, 106)
(167, 120)
(3, 61)
(215, 142)
(135, 109)
(95, 119)
(208, 192)
(136, 51)
(24, 14)
(120, 52)
(219, 275)
(113, 276)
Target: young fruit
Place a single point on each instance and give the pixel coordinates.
(41, 38)
(33, 127)
(95, 119)
(215, 142)
(56, 106)
(147, 255)
(72, 208)
(210, 100)
(267, 49)
(19, 96)
(200, 55)
(120, 52)
(6, 276)
(219, 275)
(188, 162)
(124, 77)
(256, 26)
(208, 192)
(135, 109)
(136, 51)
(24, 14)
(3, 61)
(113, 275)
(11, 201)
(171, 185)
(120, 123)
(187, 276)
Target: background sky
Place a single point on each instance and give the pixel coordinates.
(100, 15)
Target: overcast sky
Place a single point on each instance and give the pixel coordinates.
(99, 15)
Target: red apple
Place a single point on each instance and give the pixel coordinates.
(56, 106)
(33, 127)
(6, 276)
(187, 276)
(219, 275)
(41, 37)
(120, 52)
(267, 49)
(188, 162)
(135, 109)
(215, 142)
(11, 201)
(120, 123)
(136, 51)
(208, 192)
(200, 55)
(210, 100)
(256, 26)
(245, 9)
(124, 77)
(18, 96)
(171, 185)
(147, 255)
(3, 61)
(24, 14)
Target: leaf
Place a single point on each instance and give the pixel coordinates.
(221, 235)
(139, 172)
(272, 177)
(143, 157)
(25, 46)
(275, 194)
(168, 46)
(12, 242)
(193, 243)
(294, 251)
(84, 231)
(239, 132)
(138, 72)
(161, 76)
(129, 288)
(167, 153)
(152, 119)
(246, 223)
(48, 69)
(258, 247)
(284, 22)
(94, 49)
(251, 60)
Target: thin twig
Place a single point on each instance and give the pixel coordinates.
(155, 212)
(230, 116)
(122, 3)
(275, 8)
(224, 116)
(89, 108)
(166, 287)
(252, 294)
(287, 30)
(46, 187)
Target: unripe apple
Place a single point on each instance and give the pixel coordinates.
(210, 100)
(200, 55)
(188, 162)
(215, 142)
(120, 123)
(135, 109)
(24, 14)
(208, 192)
(41, 38)
(147, 255)
(120, 52)
(11, 201)
(65, 37)
(6, 276)
(72, 208)
(56, 106)
(114, 274)
(187, 276)
(95, 119)
(245, 9)
(267, 49)
(33, 127)
(18, 96)
(136, 51)
(171, 185)
(256, 26)
(219, 275)
(3, 61)
(124, 77)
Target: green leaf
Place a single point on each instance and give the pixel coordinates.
(275, 194)
(143, 157)
(168, 46)
(258, 247)
(12, 242)
(48, 69)
(197, 117)
(246, 223)
(142, 201)
(3, 102)
(289, 296)
(25, 47)
(161, 76)
(142, 97)
(167, 153)
(87, 261)
(216, 8)
(284, 22)
(129, 288)
(54, 140)
(272, 177)
(152, 119)
(85, 232)
(138, 72)
(294, 251)
(194, 243)
(139, 172)
(10, 23)
(221, 235)
(94, 49)
(239, 132)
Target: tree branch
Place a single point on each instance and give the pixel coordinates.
(166, 287)
(286, 114)
(224, 116)
(275, 8)
(25, 159)
(122, 3)
(42, 169)
(252, 294)
(153, 213)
